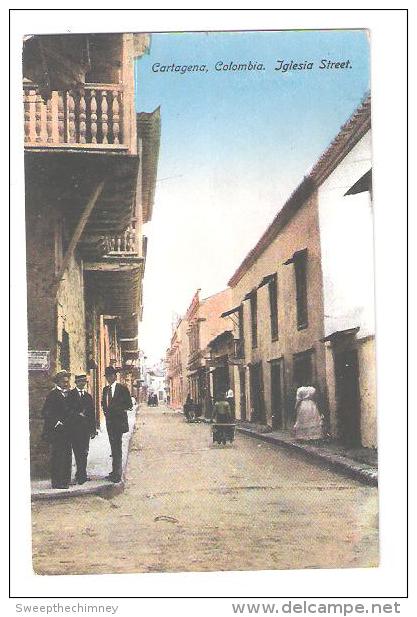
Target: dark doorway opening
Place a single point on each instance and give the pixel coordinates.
(303, 369)
(220, 382)
(257, 393)
(277, 393)
(242, 383)
(303, 375)
(348, 397)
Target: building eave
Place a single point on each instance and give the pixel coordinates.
(349, 135)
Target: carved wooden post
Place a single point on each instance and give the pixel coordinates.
(38, 113)
(61, 117)
(49, 138)
(54, 117)
(93, 116)
(82, 117)
(131, 237)
(116, 117)
(104, 117)
(71, 117)
(27, 115)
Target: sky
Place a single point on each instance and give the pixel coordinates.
(234, 145)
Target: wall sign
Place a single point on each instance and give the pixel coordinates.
(38, 360)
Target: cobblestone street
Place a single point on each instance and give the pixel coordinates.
(190, 506)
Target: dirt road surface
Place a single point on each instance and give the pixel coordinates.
(191, 506)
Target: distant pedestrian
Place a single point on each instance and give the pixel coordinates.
(82, 425)
(115, 401)
(222, 415)
(189, 408)
(222, 412)
(56, 412)
(230, 398)
(309, 423)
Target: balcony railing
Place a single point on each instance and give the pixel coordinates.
(125, 244)
(91, 117)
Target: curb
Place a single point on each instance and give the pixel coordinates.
(107, 488)
(359, 471)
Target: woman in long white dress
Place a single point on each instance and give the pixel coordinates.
(309, 422)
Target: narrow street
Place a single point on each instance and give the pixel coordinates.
(189, 506)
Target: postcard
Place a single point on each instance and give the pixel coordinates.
(200, 293)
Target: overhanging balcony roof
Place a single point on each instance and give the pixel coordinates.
(119, 293)
(149, 132)
(128, 329)
(68, 179)
(56, 61)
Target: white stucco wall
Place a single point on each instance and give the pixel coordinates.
(346, 231)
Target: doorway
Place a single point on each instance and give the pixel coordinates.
(257, 393)
(348, 397)
(242, 384)
(221, 382)
(277, 393)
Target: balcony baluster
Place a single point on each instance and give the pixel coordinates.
(90, 117)
(124, 244)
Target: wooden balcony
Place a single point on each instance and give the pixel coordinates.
(119, 253)
(91, 117)
(121, 245)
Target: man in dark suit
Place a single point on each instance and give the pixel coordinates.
(82, 425)
(116, 401)
(56, 412)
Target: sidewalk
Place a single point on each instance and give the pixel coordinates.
(99, 465)
(358, 463)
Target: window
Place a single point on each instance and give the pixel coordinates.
(273, 306)
(300, 269)
(194, 336)
(303, 368)
(254, 317)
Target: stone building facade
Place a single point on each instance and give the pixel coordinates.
(303, 306)
(177, 358)
(188, 357)
(204, 323)
(90, 172)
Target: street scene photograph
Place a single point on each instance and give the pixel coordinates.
(200, 301)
